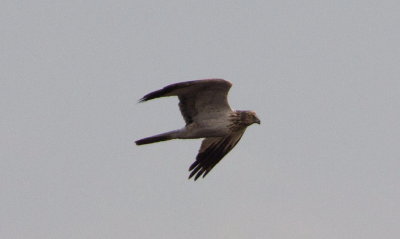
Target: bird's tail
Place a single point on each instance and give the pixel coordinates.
(157, 138)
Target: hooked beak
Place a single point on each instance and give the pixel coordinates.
(258, 121)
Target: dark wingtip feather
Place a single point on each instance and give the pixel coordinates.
(139, 142)
(141, 100)
(156, 94)
(196, 170)
(194, 164)
(150, 96)
(153, 139)
(198, 175)
(192, 173)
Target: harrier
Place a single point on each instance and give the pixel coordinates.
(205, 109)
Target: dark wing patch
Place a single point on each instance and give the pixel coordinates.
(212, 150)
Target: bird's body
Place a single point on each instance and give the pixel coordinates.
(204, 106)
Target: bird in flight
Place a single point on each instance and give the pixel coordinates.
(205, 109)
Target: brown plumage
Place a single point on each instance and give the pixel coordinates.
(205, 108)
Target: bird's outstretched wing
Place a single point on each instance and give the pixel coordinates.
(212, 150)
(197, 99)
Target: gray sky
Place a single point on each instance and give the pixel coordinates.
(323, 76)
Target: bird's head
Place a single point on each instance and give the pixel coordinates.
(249, 117)
(255, 117)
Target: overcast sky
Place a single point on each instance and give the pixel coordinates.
(323, 76)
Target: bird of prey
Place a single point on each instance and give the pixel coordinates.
(205, 109)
